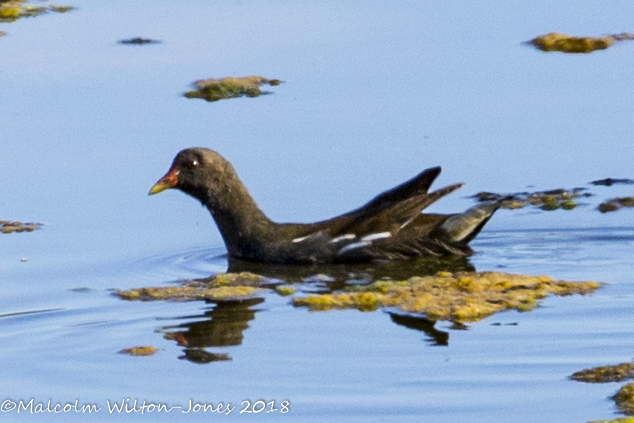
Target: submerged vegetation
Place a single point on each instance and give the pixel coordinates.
(12, 10)
(218, 89)
(567, 44)
(8, 227)
(457, 297)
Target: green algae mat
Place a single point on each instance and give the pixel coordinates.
(459, 297)
(568, 44)
(230, 87)
(12, 10)
(624, 397)
(7, 227)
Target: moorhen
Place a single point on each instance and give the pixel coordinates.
(389, 227)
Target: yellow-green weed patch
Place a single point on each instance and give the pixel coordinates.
(458, 297)
(12, 10)
(218, 89)
(7, 227)
(619, 420)
(223, 286)
(139, 351)
(605, 374)
(546, 200)
(615, 204)
(624, 399)
(567, 44)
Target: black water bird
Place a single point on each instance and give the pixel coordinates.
(389, 227)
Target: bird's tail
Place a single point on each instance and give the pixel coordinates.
(463, 227)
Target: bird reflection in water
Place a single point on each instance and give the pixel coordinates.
(420, 323)
(220, 326)
(327, 278)
(224, 323)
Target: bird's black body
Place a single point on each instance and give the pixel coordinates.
(389, 227)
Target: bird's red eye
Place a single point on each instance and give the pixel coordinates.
(192, 165)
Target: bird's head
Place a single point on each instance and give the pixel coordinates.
(195, 171)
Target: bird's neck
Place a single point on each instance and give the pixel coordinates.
(243, 226)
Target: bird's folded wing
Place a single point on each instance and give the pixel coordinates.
(394, 218)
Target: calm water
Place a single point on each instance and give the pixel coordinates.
(373, 94)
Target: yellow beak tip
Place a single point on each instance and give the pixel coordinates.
(166, 182)
(158, 187)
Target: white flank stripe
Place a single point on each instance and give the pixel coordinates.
(301, 239)
(379, 235)
(353, 246)
(342, 237)
(407, 222)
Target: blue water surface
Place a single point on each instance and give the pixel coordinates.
(373, 93)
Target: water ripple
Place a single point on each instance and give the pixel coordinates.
(198, 262)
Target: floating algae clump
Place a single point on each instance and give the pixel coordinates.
(144, 350)
(187, 293)
(285, 290)
(567, 44)
(615, 204)
(225, 286)
(624, 399)
(12, 10)
(139, 41)
(620, 420)
(8, 227)
(458, 297)
(557, 198)
(218, 89)
(230, 279)
(605, 374)
(545, 200)
(608, 182)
